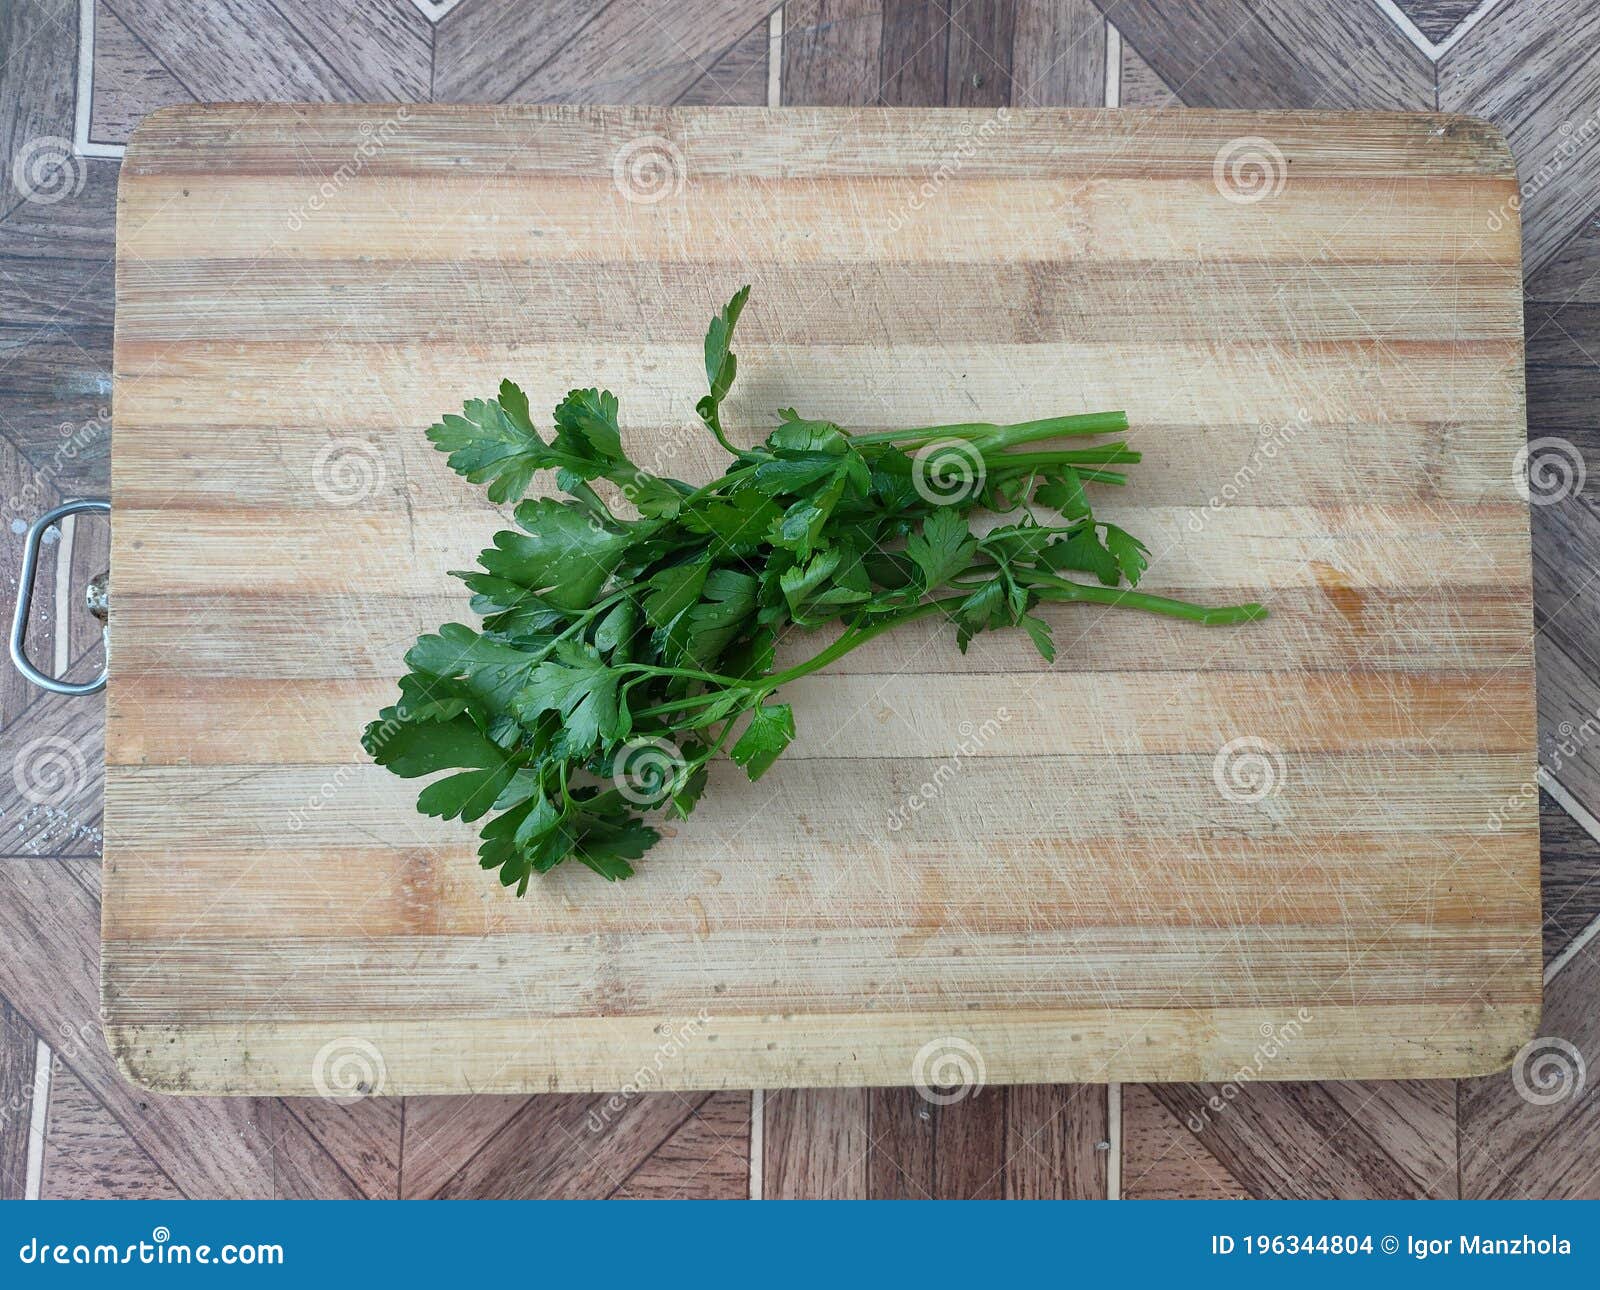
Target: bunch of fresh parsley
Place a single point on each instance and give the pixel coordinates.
(626, 643)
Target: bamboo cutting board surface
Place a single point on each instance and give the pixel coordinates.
(1293, 849)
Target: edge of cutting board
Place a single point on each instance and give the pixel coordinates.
(428, 1055)
(578, 1055)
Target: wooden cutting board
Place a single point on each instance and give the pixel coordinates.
(1304, 848)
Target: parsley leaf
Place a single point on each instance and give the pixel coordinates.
(564, 556)
(700, 633)
(797, 437)
(412, 749)
(1065, 493)
(586, 431)
(737, 522)
(1039, 633)
(579, 685)
(1084, 552)
(770, 730)
(943, 548)
(674, 590)
(1129, 553)
(721, 365)
(494, 442)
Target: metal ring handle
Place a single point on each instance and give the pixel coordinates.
(19, 620)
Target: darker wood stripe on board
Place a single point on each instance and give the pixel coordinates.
(1129, 302)
(185, 141)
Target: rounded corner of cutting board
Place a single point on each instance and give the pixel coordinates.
(144, 1066)
(146, 135)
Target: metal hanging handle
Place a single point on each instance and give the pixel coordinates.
(30, 568)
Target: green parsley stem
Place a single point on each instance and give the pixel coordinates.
(713, 421)
(988, 435)
(1062, 589)
(1114, 455)
(676, 705)
(1048, 587)
(717, 483)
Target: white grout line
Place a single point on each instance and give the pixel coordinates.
(758, 1116)
(1114, 1137)
(1431, 51)
(36, 1120)
(1408, 29)
(1572, 951)
(80, 119)
(1466, 25)
(1113, 66)
(434, 10)
(1568, 803)
(62, 609)
(775, 58)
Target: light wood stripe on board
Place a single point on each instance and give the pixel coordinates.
(915, 714)
(1331, 624)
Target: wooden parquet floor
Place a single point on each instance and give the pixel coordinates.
(76, 77)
